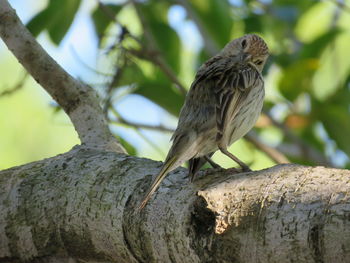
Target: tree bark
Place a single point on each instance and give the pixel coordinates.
(79, 101)
(81, 207)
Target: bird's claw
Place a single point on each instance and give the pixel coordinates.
(225, 171)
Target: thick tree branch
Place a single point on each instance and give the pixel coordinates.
(81, 206)
(77, 100)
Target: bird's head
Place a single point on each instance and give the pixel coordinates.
(250, 49)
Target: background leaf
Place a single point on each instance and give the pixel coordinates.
(160, 90)
(56, 18)
(102, 20)
(215, 18)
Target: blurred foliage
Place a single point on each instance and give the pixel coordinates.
(56, 18)
(307, 77)
(29, 131)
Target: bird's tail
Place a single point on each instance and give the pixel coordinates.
(168, 165)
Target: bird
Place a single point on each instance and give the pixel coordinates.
(221, 106)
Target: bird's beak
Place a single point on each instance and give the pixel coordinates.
(246, 57)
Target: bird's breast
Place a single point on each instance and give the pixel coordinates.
(247, 116)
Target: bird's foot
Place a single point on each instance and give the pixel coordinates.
(245, 169)
(210, 171)
(226, 171)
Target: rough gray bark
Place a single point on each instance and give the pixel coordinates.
(80, 207)
(79, 101)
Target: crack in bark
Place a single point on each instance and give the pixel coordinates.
(316, 241)
(125, 232)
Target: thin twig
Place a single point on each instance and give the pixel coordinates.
(107, 11)
(152, 144)
(160, 127)
(340, 4)
(86, 65)
(274, 154)
(153, 56)
(114, 82)
(156, 58)
(138, 128)
(169, 72)
(124, 30)
(15, 88)
(308, 151)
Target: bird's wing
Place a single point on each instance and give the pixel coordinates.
(232, 83)
(207, 70)
(199, 106)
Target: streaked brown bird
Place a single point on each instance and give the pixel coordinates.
(222, 105)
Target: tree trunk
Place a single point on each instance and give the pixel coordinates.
(80, 207)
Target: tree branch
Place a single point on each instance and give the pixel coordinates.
(87, 213)
(274, 154)
(138, 125)
(79, 101)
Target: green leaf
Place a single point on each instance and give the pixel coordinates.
(297, 78)
(315, 48)
(68, 10)
(336, 122)
(215, 17)
(128, 147)
(40, 22)
(308, 134)
(334, 115)
(334, 67)
(155, 86)
(102, 20)
(44, 19)
(131, 74)
(160, 90)
(253, 23)
(166, 39)
(56, 18)
(316, 21)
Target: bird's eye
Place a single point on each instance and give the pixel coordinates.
(244, 43)
(258, 62)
